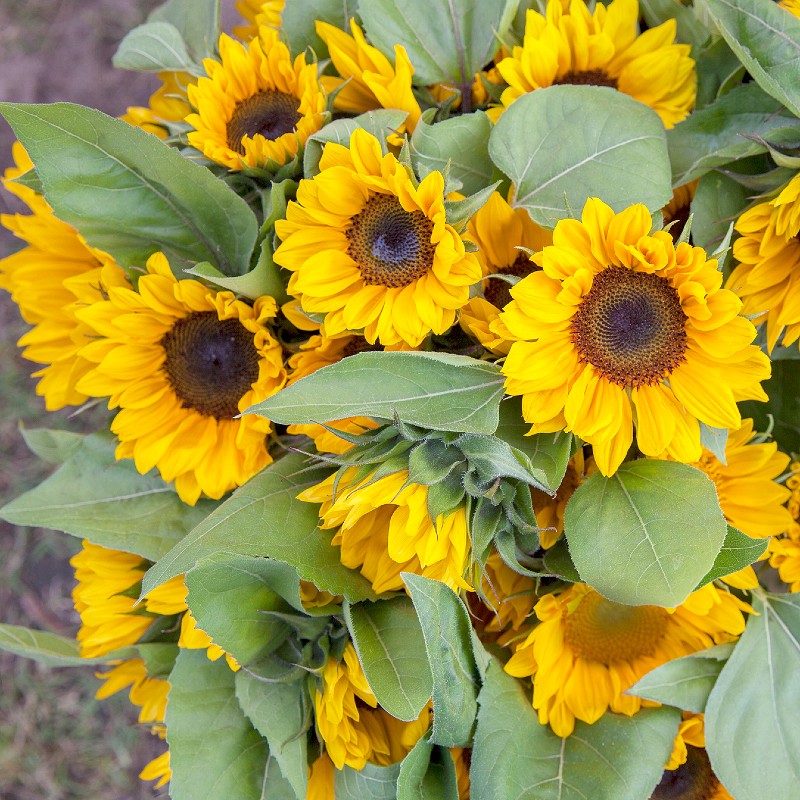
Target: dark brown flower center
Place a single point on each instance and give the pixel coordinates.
(692, 780)
(630, 327)
(391, 246)
(358, 344)
(498, 291)
(269, 113)
(589, 77)
(210, 364)
(680, 216)
(605, 632)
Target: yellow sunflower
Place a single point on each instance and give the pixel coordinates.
(499, 231)
(508, 596)
(352, 726)
(570, 44)
(368, 79)
(56, 274)
(157, 770)
(372, 251)
(792, 6)
(621, 321)
(586, 650)
(169, 103)
(688, 775)
(383, 529)
(321, 779)
(318, 352)
(181, 361)
(258, 14)
(768, 276)
(257, 107)
(785, 550)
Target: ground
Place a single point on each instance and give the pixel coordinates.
(56, 741)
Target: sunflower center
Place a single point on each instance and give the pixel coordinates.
(692, 780)
(269, 113)
(605, 632)
(588, 77)
(498, 291)
(358, 344)
(210, 364)
(680, 216)
(631, 327)
(391, 246)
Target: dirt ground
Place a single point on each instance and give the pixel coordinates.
(56, 741)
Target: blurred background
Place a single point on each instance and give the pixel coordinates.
(56, 741)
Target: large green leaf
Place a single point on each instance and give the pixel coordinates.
(738, 551)
(717, 134)
(153, 47)
(214, 751)
(767, 40)
(427, 773)
(752, 735)
(228, 595)
(48, 648)
(128, 193)
(197, 21)
(548, 452)
(646, 535)
(564, 144)
(461, 142)
(298, 22)
(717, 202)
(277, 711)
(516, 758)
(370, 783)
(433, 390)
(448, 41)
(446, 628)
(390, 646)
(265, 518)
(684, 682)
(108, 502)
(53, 446)
(782, 412)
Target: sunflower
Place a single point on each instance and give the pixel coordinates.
(181, 361)
(258, 14)
(51, 278)
(586, 650)
(499, 231)
(350, 723)
(168, 104)
(321, 779)
(785, 550)
(371, 250)
(570, 44)
(618, 321)
(508, 596)
(768, 276)
(792, 6)
(318, 352)
(688, 775)
(368, 79)
(383, 529)
(157, 770)
(257, 107)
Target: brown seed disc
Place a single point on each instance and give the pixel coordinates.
(269, 113)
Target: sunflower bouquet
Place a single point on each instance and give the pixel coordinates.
(450, 355)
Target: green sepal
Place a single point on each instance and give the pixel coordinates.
(432, 461)
(427, 773)
(460, 212)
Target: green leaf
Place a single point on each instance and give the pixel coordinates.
(380, 123)
(277, 712)
(608, 133)
(231, 761)
(558, 561)
(263, 280)
(548, 453)
(718, 70)
(715, 440)
(151, 197)
(108, 502)
(752, 735)
(767, 40)
(717, 202)
(783, 390)
(427, 774)
(738, 551)
(447, 41)
(684, 682)
(196, 20)
(264, 518)
(159, 658)
(391, 648)
(716, 134)
(370, 783)
(514, 757)
(446, 628)
(648, 534)
(29, 179)
(154, 47)
(49, 648)
(462, 142)
(689, 29)
(228, 595)
(52, 446)
(433, 390)
(460, 212)
(298, 23)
